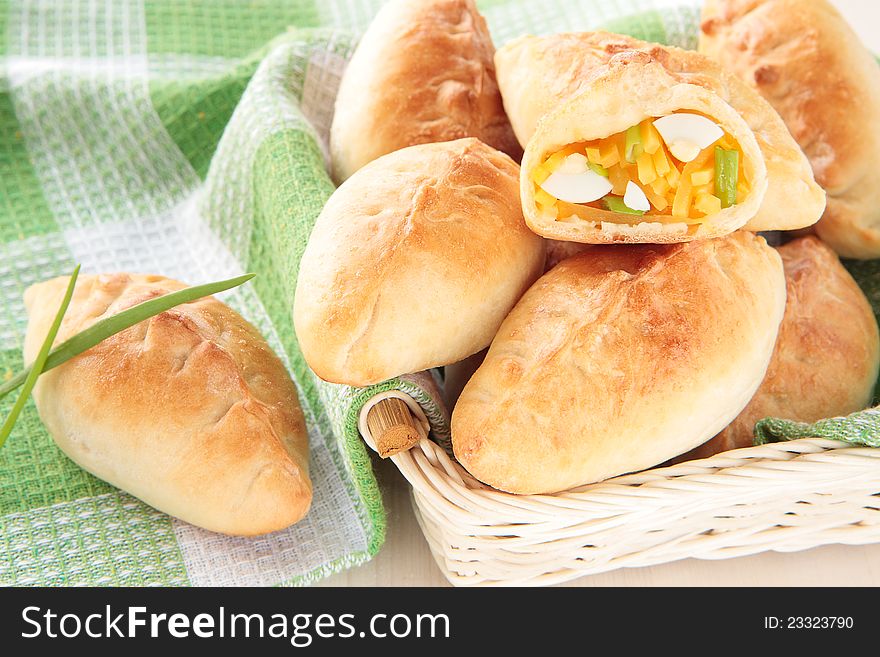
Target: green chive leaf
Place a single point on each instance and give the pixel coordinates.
(598, 168)
(39, 362)
(633, 146)
(108, 326)
(616, 204)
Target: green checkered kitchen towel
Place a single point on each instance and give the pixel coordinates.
(188, 138)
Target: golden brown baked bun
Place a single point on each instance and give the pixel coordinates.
(618, 359)
(562, 88)
(190, 410)
(413, 263)
(423, 72)
(810, 65)
(827, 354)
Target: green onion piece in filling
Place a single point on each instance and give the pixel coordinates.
(633, 144)
(616, 204)
(726, 175)
(598, 168)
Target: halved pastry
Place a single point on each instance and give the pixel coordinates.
(628, 141)
(804, 58)
(619, 359)
(190, 410)
(423, 72)
(827, 354)
(413, 263)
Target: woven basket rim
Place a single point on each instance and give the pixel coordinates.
(457, 476)
(479, 535)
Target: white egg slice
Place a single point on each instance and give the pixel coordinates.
(574, 163)
(583, 187)
(634, 198)
(687, 134)
(684, 151)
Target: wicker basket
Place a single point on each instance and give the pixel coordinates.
(783, 496)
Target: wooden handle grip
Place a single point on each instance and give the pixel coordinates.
(392, 426)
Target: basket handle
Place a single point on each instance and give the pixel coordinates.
(392, 426)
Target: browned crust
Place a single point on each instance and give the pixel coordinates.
(423, 72)
(413, 263)
(618, 359)
(826, 357)
(804, 58)
(190, 410)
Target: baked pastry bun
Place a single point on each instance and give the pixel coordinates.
(628, 141)
(190, 410)
(413, 263)
(619, 359)
(804, 58)
(423, 72)
(827, 353)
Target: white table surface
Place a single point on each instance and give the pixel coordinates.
(405, 559)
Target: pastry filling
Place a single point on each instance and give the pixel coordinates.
(680, 168)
